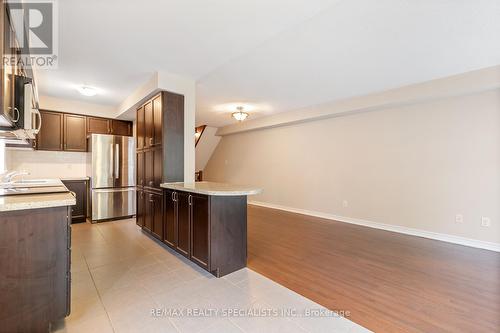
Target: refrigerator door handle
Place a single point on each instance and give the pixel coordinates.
(112, 159)
(117, 161)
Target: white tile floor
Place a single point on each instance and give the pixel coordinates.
(120, 275)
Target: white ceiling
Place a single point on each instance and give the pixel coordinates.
(278, 55)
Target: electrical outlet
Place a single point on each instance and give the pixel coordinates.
(485, 221)
(459, 218)
(345, 203)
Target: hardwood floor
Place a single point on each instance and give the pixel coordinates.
(388, 281)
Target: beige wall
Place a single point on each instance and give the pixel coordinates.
(414, 166)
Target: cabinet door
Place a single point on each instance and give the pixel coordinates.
(98, 125)
(170, 219)
(156, 201)
(148, 124)
(183, 228)
(75, 134)
(148, 211)
(50, 136)
(157, 167)
(200, 224)
(140, 214)
(140, 169)
(78, 211)
(157, 121)
(8, 71)
(149, 168)
(121, 127)
(140, 128)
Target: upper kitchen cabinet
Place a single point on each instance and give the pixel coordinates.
(75, 135)
(121, 127)
(97, 125)
(68, 132)
(141, 129)
(51, 135)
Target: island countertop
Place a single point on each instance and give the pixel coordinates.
(213, 188)
(33, 201)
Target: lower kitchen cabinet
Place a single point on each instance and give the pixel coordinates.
(80, 190)
(149, 213)
(209, 230)
(35, 284)
(140, 213)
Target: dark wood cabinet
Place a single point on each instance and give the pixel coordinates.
(140, 169)
(36, 259)
(157, 121)
(155, 201)
(160, 158)
(170, 219)
(75, 134)
(200, 229)
(8, 114)
(68, 132)
(51, 133)
(140, 129)
(121, 127)
(209, 230)
(80, 189)
(97, 125)
(141, 211)
(183, 245)
(148, 124)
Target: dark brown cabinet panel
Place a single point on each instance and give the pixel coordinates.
(50, 136)
(141, 211)
(75, 134)
(35, 261)
(157, 121)
(80, 189)
(156, 201)
(148, 212)
(141, 129)
(148, 124)
(200, 228)
(183, 224)
(170, 219)
(149, 168)
(121, 127)
(157, 167)
(140, 169)
(98, 125)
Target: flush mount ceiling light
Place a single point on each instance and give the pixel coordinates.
(87, 91)
(240, 115)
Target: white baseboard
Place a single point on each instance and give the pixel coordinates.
(394, 228)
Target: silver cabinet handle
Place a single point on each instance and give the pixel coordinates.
(150, 141)
(173, 196)
(190, 200)
(17, 115)
(39, 116)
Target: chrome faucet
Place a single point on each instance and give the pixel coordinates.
(8, 176)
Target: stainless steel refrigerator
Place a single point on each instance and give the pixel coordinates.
(111, 168)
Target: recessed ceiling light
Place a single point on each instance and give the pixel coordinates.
(240, 115)
(87, 91)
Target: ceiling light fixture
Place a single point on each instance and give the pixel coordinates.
(87, 91)
(240, 115)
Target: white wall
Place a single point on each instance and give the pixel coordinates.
(206, 147)
(414, 166)
(74, 106)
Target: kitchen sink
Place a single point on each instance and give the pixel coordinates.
(31, 183)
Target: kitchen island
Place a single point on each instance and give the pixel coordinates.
(206, 222)
(35, 259)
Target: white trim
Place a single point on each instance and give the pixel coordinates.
(394, 228)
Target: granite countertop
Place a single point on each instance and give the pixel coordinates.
(33, 201)
(75, 178)
(37, 200)
(211, 188)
